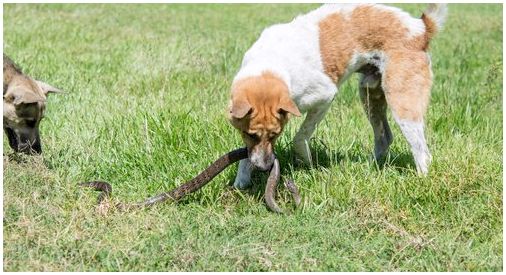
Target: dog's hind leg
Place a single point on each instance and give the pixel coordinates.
(375, 106)
(407, 79)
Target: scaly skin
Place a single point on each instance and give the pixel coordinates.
(196, 183)
(270, 188)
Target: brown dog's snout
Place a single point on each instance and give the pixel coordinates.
(30, 146)
(24, 142)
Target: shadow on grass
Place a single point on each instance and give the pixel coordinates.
(403, 162)
(400, 161)
(321, 155)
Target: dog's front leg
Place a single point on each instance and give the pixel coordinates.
(243, 178)
(301, 140)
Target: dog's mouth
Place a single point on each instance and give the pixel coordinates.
(263, 168)
(23, 144)
(262, 163)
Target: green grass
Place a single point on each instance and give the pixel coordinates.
(145, 109)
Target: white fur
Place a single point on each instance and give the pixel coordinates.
(292, 52)
(322, 12)
(414, 133)
(437, 13)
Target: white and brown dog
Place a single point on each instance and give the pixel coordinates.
(298, 67)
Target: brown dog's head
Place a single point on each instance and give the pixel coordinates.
(259, 109)
(24, 104)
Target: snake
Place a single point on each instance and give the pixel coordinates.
(202, 179)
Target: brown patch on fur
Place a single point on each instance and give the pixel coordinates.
(430, 31)
(335, 45)
(367, 28)
(407, 81)
(269, 104)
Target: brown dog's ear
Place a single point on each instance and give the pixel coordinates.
(24, 97)
(287, 105)
(240, 108)
(46, 88)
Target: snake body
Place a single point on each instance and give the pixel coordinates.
(200, 180)
(270, 188)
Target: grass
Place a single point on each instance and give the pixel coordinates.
(145, 109)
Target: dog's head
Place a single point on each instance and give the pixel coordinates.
(24, 104)
(259, 108)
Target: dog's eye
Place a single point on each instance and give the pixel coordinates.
(252, 136)
(273, 135)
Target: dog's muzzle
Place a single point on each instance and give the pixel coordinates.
(28, 144)
(262, 162)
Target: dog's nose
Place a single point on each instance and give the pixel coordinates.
(37, 148)
(30, 147)
(263, 164)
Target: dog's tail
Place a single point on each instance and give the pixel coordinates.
(434, 18)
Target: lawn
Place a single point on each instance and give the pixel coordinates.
(147, 89)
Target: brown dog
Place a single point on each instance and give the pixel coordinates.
(24, 104)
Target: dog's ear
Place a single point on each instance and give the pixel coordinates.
(286, 104)
(21, 96)
(240, 108)
(46, 88)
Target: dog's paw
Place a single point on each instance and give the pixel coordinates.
(302, 154)
(423, 162)
(300, 163)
